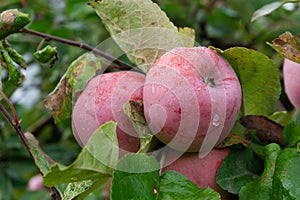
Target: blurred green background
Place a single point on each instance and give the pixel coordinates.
(220, 23)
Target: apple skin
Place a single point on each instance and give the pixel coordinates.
(291, 78)
(187, 92)
(84, 121)
(102, 100)
(202, 171)
(36, 183)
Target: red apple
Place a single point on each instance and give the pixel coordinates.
(291, 78)
(202, 171)
(191, 99)
(84, 121)
(102, 100)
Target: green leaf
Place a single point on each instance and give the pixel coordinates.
(136, 177)
(238, 168)
(269, 8)
(11, 21)
(141, 29)
(14, 55)
(97, 159)
(41, 159)
(134, 110)
(61, 100)
(98, 193)
(81, 189)
(15, 75)
(291, 132)
(282, 117)
(265, 10)
(259, 78)
(75, 188)
(174, 186)
(286, 178)
(261, 188)
(45, 55)
(288, 46)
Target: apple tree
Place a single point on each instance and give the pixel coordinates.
(141, 99)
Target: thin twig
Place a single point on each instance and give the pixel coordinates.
(81, 45)
(14, 122)
(16, 126)
(11, 106)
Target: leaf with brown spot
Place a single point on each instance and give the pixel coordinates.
(287, 46)
(266, 129)
(142, 30)
(234, 139)
(61, 100)
(135, 111)
(11, 21)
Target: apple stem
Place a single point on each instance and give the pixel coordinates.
(209, 81)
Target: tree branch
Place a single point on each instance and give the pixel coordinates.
(16, 126)
(81, 45)
(14, 122)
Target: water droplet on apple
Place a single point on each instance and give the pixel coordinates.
(152, 89)
(216, 120)
(176, 60)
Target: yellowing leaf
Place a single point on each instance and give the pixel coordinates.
(63, 97)
(141, 29)
(287, 46)
(11, 21)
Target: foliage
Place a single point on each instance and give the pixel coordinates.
(252, 67)
(238, 29)
(130, 31)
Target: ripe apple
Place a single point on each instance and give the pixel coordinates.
(102, 100)
(202, 171)
(291, 78)
(84, 121)
(191, 99)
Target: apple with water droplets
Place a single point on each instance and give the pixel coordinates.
(191, 97)
(101, 101)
